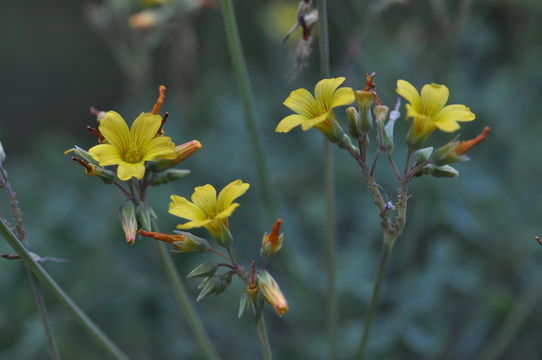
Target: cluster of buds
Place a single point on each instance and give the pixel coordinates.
(262, 287)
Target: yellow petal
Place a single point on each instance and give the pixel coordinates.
(226, 213)
(205, 197)
(409, 92)
(144, 129)
(114, 129)
(181, 207)
(128, 170)
(194, 224)
(160, 147)
(290, 122)
(307, 124)
(412, 112)
(448, 125)
(433, 99)
(105, 154)
(343, 96)
(231, 192)
(323, 92)
(456, 113)
(302, 102)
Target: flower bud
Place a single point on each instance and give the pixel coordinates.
(208, 286)
(423, 155)
(354, 124)
(272, 242)
(107, 176)
(384, 133)
(2, 154)
(144, 20)
(183, 241)
(271, 291)
(145, 214)
(365, 98)
(445, 171)
(128, 221)
(205, 269)
(183, 151)
(169, 175)
(454, 151)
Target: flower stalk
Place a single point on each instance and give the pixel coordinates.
(47, 281)
(329, 185)
(264, 339)
(245, 87)
(34, 283)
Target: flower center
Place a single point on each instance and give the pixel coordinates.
(132, 155)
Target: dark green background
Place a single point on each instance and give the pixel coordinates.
(466, 261)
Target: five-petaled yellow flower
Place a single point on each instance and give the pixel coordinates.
(317, 111)
(130, 148)
(429, 112)
(206, 209)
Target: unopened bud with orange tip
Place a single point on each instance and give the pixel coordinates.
(271, 291)
(128, 221)
(143, 20)
(107, 176)
(183, 242)
(183, 151)
(455, 151)
(272, 242)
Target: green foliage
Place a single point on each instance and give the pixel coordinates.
(466, 256)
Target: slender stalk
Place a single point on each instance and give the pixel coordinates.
(329, 185)
(394, 168)
(186, 305)
(51, 284)
(36, 290)
(245, 87)
(523, 307)
(44, 317)
(330, 252)
(387, 247)
(264, 339)
(181, 295)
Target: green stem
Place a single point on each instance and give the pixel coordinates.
(323, 38)
(330, 253)
(36, 290)
(329, 184)
(241, 73)
(44, 317)
(181, 295)
(49, 283)
(387, 247)
(523, 307)
(264, 339)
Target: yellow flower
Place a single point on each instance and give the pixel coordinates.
(317, 111)
(207, 210)
(429, 112)
(130, 148)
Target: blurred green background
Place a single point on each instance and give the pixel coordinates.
(466, 264)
